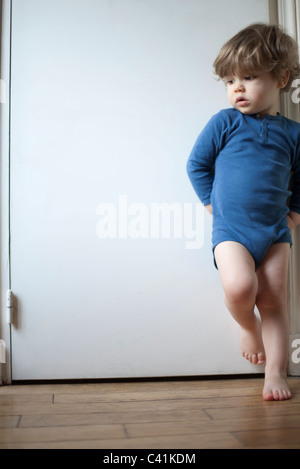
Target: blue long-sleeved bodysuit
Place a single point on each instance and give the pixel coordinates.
(242, 164)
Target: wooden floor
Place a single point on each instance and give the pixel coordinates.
(183, 414)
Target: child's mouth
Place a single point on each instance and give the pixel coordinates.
(242, 101)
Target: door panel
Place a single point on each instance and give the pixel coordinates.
(111, 277)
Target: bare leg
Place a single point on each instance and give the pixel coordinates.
(237, 272)
(272, 304)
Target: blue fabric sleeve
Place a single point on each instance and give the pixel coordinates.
(200, 165)
(295, 198)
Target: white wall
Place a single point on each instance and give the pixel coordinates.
(108, 98)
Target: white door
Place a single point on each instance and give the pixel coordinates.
(111, 262)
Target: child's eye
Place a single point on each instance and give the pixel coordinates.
(229, 82)
(249, 77)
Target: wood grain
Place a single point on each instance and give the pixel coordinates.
(183, 414)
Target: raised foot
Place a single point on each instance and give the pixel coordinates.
(251, 344)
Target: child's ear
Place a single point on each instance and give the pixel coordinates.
(285, 78)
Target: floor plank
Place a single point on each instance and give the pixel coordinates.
(208, 441)
(133, 386)
(279, 438)
(54, 434)
(95, 418)
(179, 414)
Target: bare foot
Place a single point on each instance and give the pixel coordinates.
(276, 387)
(252, 345)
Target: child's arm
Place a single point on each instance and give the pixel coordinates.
(200, 165)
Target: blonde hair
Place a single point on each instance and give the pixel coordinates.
(259, 47)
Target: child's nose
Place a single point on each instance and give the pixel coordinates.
(239, 87)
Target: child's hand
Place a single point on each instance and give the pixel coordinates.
(290, 222)
(209, 208)
(293, 219)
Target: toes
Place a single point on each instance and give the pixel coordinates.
(255, 358)
(261, 358)
(268, 395)
(276, 395)
(286, 394)
(248, 356)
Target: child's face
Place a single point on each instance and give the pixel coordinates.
(253, 94)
